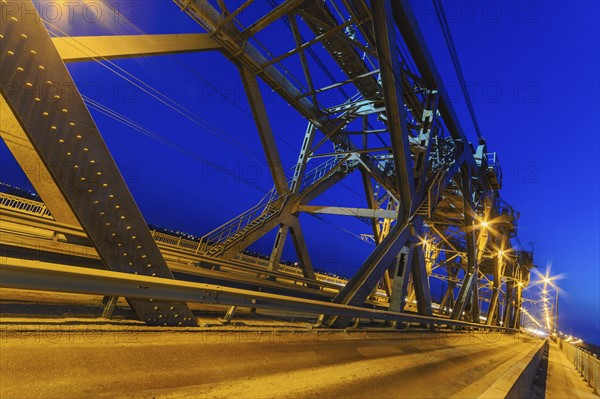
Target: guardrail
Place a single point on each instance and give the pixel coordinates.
(36, 275)
(292, 270)
(191, 245)
(24, 205)
(39, 209)
(584, 361)
(177, 241)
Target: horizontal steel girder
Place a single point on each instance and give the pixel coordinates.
(344, 211)
(89, 48)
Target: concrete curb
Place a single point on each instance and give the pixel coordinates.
(517, 381)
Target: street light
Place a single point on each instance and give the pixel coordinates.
(548, 281)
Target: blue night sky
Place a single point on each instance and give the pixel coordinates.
(533, 72)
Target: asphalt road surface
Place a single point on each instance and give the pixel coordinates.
(87, 362)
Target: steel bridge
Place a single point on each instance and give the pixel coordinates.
(432, 197)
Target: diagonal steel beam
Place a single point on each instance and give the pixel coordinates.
(61, 129)
(394, 105)
(302, 249)
(20, 146)
(264, 129)
(356, 291)
(408, 26)
(272, 16)
(302, 55)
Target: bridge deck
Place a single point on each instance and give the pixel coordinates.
(93, 360)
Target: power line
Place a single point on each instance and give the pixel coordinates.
(149, 133)
(161, 97)
(441, 16)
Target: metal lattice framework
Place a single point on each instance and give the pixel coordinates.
(431, 197)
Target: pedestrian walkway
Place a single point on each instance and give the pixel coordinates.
(563, 381)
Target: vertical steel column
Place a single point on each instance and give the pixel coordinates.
(400, 278)
(278, 247)
(419, 271)
(498, 272)
(471, 272)
(448, 300)
(508, 303)
(517, 311)
(424, 138)
(475, 306)
(370, 273)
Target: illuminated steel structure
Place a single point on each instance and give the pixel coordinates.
(431, 197)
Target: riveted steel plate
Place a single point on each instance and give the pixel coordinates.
(41, 93)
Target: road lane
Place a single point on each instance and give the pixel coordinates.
(245, 363)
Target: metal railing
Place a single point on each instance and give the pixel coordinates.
(215, 240)
(178, 241)
(435, 187)
(434, 191)
(493, 164)
(39, 209)
(269, 206)
(294, 271)
(584, 361)
(24, 205)
(314, 175)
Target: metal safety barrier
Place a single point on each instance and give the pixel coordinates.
(24, 205)
(45, 276)
(584, 361)
(177, 241)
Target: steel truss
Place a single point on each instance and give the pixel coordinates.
(432, 198)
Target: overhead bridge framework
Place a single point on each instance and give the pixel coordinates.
(432, 199)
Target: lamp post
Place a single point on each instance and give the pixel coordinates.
(556, 311)
(548, 281)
